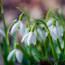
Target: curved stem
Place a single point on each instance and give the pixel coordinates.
(59, 45)
(64, 41)
(3, 18)
(4, 24)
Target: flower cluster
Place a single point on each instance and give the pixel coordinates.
(40, 40)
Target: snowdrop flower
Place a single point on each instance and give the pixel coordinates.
(2, 32)
(53, 32)
(29, 38)
(18, 53)
(18, 27)
(49, 23)
(59, 29)
(56, 31)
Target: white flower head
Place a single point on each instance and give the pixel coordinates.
(59, 29)
(18, 27)
(29, 38)
(53, 32)
(56, 31)
(19, 56)
(18, 53)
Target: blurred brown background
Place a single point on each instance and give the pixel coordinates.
(36, 8)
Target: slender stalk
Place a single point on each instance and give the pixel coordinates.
(45, 46)
(64, 42)
(58, 42)
(4, 24)
(5, 39)
(21, 16)
(52, 47)
(42, 50)
(3, 18)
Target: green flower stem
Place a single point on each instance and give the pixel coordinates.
(6, 53)
(64, 42)
(32, 28)
(58, 42)
(45, 45)
(3, 18)
(5, 40)
(52, 47)
(41, 49)
(4, 24)
(25, 14)
(21, 16)
(50, 39)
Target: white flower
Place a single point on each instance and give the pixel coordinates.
(53, 32)
(2, 32)
(18, 27)
(56, 31)
(29, 38)
(59, 30)
(18, 53)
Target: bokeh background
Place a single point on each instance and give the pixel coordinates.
(36, 9)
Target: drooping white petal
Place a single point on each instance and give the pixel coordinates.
(2, 32)
(18, 27)
(29, 38)
(59, 30)
(22, 29)
(56, 31)
(11, 54)
(14, 28)
(24, 39)
(53, 32)
(34, 39)
(19, 55)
